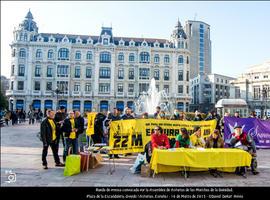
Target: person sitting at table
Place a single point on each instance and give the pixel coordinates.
(242, 140)
(214, 140)
(182, 139)
(196, 139)
(159, 139)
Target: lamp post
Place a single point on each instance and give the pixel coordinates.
(265, 92)
(57, 91)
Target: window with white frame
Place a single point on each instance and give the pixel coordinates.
(144, 73)
(121, 73)
(104, 88)
(77, 72)
(76, 86)
(88, 73)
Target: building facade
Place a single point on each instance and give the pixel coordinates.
(200, 48)
(254, 87)
(94, 73)
(206, 90)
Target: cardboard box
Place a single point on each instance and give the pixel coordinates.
(145, 170)
(95, 160)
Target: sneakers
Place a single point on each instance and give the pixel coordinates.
(60, 165)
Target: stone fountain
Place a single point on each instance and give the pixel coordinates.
(148, 101)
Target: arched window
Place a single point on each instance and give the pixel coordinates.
(121, 57)
(180, 59)
(22, 53)
(166, 59)
(131, 57)
(78, 55)
(89, 55)
(105, 57)
(39, 53)
(144, 57)
(63, 54)
(50, 54)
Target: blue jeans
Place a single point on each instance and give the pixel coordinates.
(73, 143)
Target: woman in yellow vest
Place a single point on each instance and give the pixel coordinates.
(70, 129)
(196, 139)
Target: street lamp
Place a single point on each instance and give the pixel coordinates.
(265, 92)
(57, 91)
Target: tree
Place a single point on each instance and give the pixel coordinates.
(3, 102)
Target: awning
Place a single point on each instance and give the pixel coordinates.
(88, 105)
(120, 105)
(36, 104)
(76, 105)
(48, 104)
(19, 104)
(104, 105)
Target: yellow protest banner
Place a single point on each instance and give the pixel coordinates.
(127, 136)
(90, 123)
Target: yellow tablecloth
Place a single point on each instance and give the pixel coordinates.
(173, 160)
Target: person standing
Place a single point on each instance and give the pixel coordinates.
(157, 112)
(79, 120)
(70, 129)
(48, 135)
(128, 114)
(59, 119)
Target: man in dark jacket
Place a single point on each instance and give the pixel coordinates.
(128, 114)
(98, 128)
(79, 120)
(49, 135)
(70, 130)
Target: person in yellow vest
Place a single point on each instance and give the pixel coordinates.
(70, 130)
(196, 139)
(49, 138)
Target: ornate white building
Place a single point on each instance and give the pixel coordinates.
(254, 87)
(88, 72)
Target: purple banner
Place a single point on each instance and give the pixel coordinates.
(258, 129)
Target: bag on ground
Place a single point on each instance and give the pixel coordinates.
(138, 163)
(73, 165)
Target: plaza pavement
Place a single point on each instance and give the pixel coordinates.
(21, 153)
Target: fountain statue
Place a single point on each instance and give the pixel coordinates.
(148, 101)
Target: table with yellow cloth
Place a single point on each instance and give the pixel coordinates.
(179, 159)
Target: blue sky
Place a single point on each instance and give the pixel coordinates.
(240, 31)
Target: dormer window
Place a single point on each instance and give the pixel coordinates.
(40, 39)
(156, 44)
(121, 42)
(144, 43)
(166, 45)
(89, 41)
(105, 41)
(132, 43)
(79, 40)
(65, 39)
